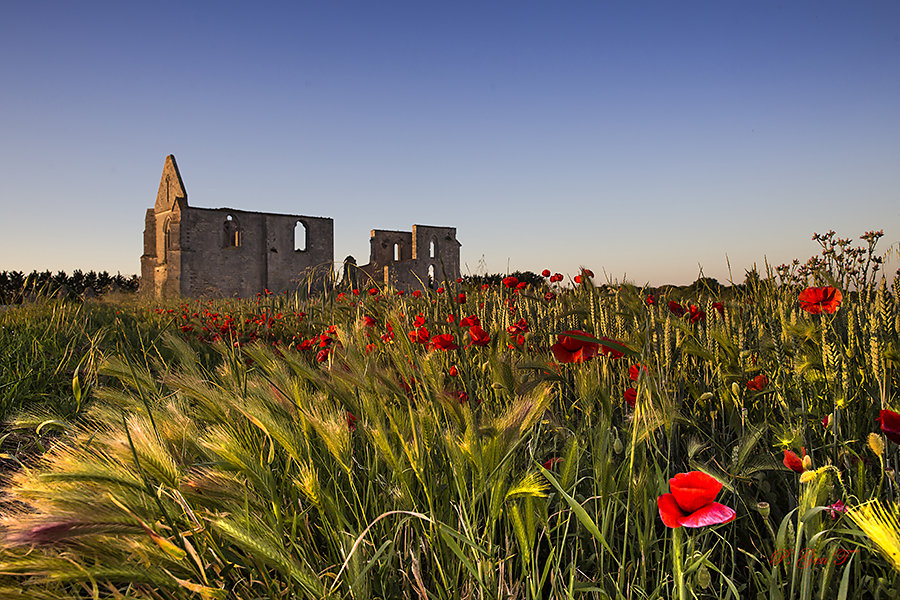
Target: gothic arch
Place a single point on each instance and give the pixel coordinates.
(232, 233)
(301, 236)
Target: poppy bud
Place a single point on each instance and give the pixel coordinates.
(763, 508)
(617, 446)
(807, 462)
(736, 390)
(703, 577)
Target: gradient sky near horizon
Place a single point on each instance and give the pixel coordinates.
(641, 139)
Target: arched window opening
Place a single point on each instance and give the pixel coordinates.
(167, 239)
(232, 230)
(431, 249)
(431, 276)
(300, 233)
(396, 252)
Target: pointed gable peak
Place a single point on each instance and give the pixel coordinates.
(171, 187)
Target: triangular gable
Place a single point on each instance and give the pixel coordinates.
(171, 187)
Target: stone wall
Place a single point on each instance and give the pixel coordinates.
(427, 257)
(225, 252)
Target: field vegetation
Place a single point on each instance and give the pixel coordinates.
(501, 438)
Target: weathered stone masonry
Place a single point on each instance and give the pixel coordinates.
(228, 252)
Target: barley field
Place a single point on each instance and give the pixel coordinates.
(543, 437)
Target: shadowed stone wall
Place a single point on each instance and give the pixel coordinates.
(227, 252)
(421, 260)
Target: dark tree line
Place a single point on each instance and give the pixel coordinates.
(16, 285)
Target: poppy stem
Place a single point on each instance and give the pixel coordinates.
(678, 563)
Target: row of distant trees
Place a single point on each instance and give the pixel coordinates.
(16, 285)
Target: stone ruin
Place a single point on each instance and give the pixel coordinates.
(225, 252)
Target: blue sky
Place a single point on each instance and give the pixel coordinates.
(643, 139)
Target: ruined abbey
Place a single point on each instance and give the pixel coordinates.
(225, 252)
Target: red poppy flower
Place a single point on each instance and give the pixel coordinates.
(485, 287)
(587, 272)
(651, 299)
(420, 320)
(351, 421)
(571, 350)
(550, 462)
(549, 296)
(520, 326)
(609, 351)
(545, 273)
(818, 300)
(453, 371)
(369, 321)
(370, 347)
(578, 279)
(719, 307)
(510, 281)
(517, 342)
(890, 425)
(825, 421)
(794, 462)
(521, 285)
(440, 290)
(417, 294)
(470, 321)
(479, 336)
(677, 309)
(322, 355)
(556, 277)
(459, 280)
(373, 291)
(355, 292)
(758, 383)
(697, 314)
(634, 371)
(419, 336)
(631, 396)
(444, 341)
(461, 299)
(691, 502)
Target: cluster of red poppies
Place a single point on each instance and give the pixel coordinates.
(555, 278)
(208, 326)
(693, 312)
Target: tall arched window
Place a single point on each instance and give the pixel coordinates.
(167, 239)
(431, 249)
(396, 252)
(300, 233)
(232, 232)
(431, 276)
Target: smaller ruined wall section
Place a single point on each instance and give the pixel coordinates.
(289, 267)
(382, 244)
(427, 255)
(211, 266)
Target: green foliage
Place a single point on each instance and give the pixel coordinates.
(292, 447)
